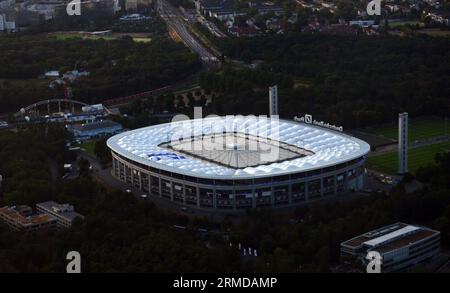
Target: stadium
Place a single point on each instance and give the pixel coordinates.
(239, 162)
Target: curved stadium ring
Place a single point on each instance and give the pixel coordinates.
(239, 162)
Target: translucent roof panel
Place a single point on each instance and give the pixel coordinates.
(321, 147)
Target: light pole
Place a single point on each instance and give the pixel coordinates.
(1, 179)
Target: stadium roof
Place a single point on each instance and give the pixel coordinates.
(324, 147)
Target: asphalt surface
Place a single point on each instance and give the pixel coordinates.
(174, 19)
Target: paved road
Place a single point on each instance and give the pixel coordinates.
(173, 17)
(211, 26)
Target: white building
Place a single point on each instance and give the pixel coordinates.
(401, 246)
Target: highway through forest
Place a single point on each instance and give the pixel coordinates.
(175, 20)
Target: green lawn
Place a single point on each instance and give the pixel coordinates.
(418, 129)
(63, 37)
(142, 39)
(88, 146)
(408, 22)
(417, 157)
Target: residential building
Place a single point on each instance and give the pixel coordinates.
(220, 9)
(225, 14)
(266, 7)
(47, 8)
(439, 17)
(64, 213)
(401, 246)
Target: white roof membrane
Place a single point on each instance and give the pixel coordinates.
(328, 147)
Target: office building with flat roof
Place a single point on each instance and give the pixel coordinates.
(64, 213)
(401, 246)
(20, 218)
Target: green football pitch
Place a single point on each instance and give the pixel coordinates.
(419, 129)
(417, 157)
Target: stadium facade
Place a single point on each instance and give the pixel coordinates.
(239, 162)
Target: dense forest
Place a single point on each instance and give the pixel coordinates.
(350, 80)
(117, 67)
(119, 233)
(126, 234)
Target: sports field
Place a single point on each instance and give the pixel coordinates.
(114, 36)
(64, 37)
(419, 129)
(142, 39)
(417, 157)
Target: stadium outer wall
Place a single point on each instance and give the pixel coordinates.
(276, 191)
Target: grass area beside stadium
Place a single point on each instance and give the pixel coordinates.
(372, 139)
(88, 147)
(417, 157)
(114, 36)
(419, 129)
